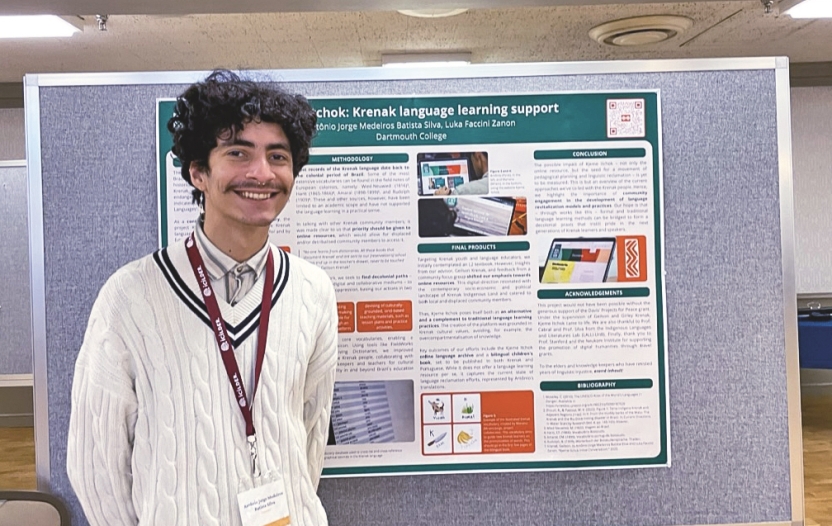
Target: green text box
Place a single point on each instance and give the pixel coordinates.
(596, 385)
(594, 294)
(503, 246)
(472, 119)
(360, 158)
(591, 154)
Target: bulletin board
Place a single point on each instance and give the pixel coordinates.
(732, 374)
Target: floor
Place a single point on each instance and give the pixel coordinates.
(817, 459)
(17, 459)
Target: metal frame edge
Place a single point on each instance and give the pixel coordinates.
(787, 243)
(37, 276)
(421, 72)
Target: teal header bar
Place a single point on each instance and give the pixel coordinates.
(595, 294)
(507, 246)
(358, 158)
(596, 385)
(594, 154)
(491, 119)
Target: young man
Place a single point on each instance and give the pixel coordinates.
(205, 379)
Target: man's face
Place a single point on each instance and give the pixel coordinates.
(480, 162)
(249, 177)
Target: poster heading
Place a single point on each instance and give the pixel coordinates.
(477, 119)
(440, 112)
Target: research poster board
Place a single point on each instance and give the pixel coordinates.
(498, 264)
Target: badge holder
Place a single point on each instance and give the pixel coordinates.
(262, 497)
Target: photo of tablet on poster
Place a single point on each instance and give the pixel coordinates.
(472, 216)
(578, 260)
(452, 173)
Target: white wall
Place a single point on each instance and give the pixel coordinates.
(12, 135)
(812, 162)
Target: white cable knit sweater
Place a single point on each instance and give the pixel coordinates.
(156, 437)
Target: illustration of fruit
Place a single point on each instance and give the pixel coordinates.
(468, 409)
(463, 437)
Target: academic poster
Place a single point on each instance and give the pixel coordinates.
(498, 263)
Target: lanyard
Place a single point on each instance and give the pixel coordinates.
(226, 347)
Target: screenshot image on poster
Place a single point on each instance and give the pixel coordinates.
(443, 170)
(578, 260)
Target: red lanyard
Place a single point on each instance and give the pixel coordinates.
(224, 343)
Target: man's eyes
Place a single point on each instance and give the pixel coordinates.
(276, 156)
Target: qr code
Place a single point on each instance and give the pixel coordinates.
(625, 118)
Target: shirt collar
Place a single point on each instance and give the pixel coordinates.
(218, 264)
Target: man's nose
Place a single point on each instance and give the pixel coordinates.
(260, 169)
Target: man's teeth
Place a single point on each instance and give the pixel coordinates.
(256, 196)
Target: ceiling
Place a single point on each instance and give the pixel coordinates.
(154, 35)
(160, 7)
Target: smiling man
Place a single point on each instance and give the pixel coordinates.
(202, 390)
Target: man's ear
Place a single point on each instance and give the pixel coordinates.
(198, 175)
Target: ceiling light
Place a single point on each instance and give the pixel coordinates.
(431, 13)
(34, 26)
(426, 59)
(641, 30)
(807, 8)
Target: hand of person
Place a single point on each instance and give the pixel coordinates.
(442, 191)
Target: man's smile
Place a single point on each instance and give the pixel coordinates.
(257, 196)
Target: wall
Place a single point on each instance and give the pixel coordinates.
(12, 134)
(812, 152)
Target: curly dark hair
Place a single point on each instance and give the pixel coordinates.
(222, 104)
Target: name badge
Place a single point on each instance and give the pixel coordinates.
(265, 505)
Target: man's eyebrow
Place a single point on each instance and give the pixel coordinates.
(235, 142)
(279, 146)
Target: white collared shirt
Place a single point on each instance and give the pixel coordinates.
(230, 279)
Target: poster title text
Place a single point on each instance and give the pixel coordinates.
(442, 112)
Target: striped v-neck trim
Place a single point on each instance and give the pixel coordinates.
(194, 302)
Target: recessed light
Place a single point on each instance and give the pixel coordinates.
(807, 8)
(36, 26)
(432, 13)
(426, 59)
